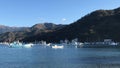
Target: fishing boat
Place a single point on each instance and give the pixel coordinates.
(57, 47)
(17, 44)
(28, 45)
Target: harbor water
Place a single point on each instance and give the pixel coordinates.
(39, 57)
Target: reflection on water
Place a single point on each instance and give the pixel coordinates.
(38, 57)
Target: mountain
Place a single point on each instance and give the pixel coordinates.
(96, 26)
(37, 29)
(46, 26)
(4, 29)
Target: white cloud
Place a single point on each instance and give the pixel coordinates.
(40, 19)
(64, 19)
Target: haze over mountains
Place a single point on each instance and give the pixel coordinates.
(96, 26)
(10, 34)
(4, 29)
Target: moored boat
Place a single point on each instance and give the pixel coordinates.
(20, 45)
(57, 47)
(28, 45)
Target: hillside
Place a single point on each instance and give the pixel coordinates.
(96, 26)
(4, 29)
(36, 29)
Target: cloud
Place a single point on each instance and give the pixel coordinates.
(40, 19)
(64, 19)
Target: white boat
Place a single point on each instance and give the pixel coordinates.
(57, 47)
(16, 44)
(28, 45)
(20, 45)
(48, 44)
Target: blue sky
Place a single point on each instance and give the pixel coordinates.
(30, 12)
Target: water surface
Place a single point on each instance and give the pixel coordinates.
(38, 57)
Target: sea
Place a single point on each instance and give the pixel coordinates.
(40, 57)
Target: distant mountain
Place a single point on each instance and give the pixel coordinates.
(46, 26)
(96, 26)
(37, 29)
(4, 29)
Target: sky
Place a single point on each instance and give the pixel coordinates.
(29, 12)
